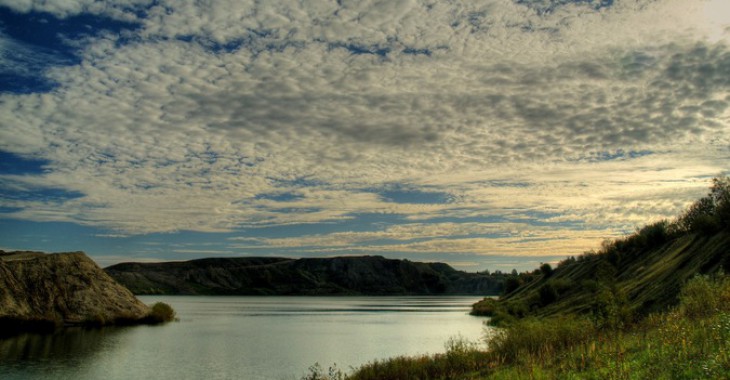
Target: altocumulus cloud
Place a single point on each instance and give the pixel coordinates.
(565, 120)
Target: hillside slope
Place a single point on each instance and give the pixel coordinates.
(629, 277)
(61, 289)
(642, 281)
(366, 275)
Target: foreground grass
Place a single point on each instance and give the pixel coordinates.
(691, 341)
(666, 347)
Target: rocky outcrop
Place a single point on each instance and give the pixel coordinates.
(364, 275)
(61, 289)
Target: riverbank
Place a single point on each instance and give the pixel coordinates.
(691, 340)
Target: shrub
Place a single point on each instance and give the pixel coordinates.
(611, 309)
(703, 296)
(548, 294)
(161, 312)
(562, 285)
(546, 270)
(486, 307)
(518, 309)
(653, 234)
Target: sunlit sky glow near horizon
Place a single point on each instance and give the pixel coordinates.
(491, 134)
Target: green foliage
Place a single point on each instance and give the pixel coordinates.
(703, 296)
(561, 285)
(611, 310)
(653, 234)
(161, 312)
(461, 357)
(689, 342)
(567, 261)
(532, 339)
(548, 294)
(710, 213)
(546, 270)
(486, 307)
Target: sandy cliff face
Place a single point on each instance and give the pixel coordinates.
(64, 288)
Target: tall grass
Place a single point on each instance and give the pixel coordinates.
(692, 341)
(536, 341)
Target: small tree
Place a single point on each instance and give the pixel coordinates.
(548, 294)
(709, 213)
(546, 270)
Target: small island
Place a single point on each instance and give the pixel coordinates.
(44, 291)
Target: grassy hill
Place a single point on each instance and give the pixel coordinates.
(635, 278)
(629, 277)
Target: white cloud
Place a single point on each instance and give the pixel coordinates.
(120, 9)
(213, 103)
(492, 239)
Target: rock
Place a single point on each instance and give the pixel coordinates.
(60, 290)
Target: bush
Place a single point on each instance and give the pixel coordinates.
(703, 296)
(548, 294)
(710, 213)
(161, 312)
(486, 307)
(653, 235)
(611, 309)
(546, 270)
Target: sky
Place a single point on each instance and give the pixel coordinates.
(486, 134)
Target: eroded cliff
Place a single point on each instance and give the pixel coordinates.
(61, 289)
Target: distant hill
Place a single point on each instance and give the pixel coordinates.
(629, 277)
(364, 275)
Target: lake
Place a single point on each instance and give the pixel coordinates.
(275, 338)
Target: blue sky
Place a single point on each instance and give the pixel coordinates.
(492, 134)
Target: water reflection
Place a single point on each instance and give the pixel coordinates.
(63, 346)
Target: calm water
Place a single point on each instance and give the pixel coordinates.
(246, 338)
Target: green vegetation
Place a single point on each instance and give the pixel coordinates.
(461, 357)
(627, 278)
(655, 304)
(161, 313)
(690, 341)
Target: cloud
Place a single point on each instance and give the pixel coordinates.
(596, 116)
(481, 239)
(122, 9)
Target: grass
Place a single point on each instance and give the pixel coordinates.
(689, 341)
